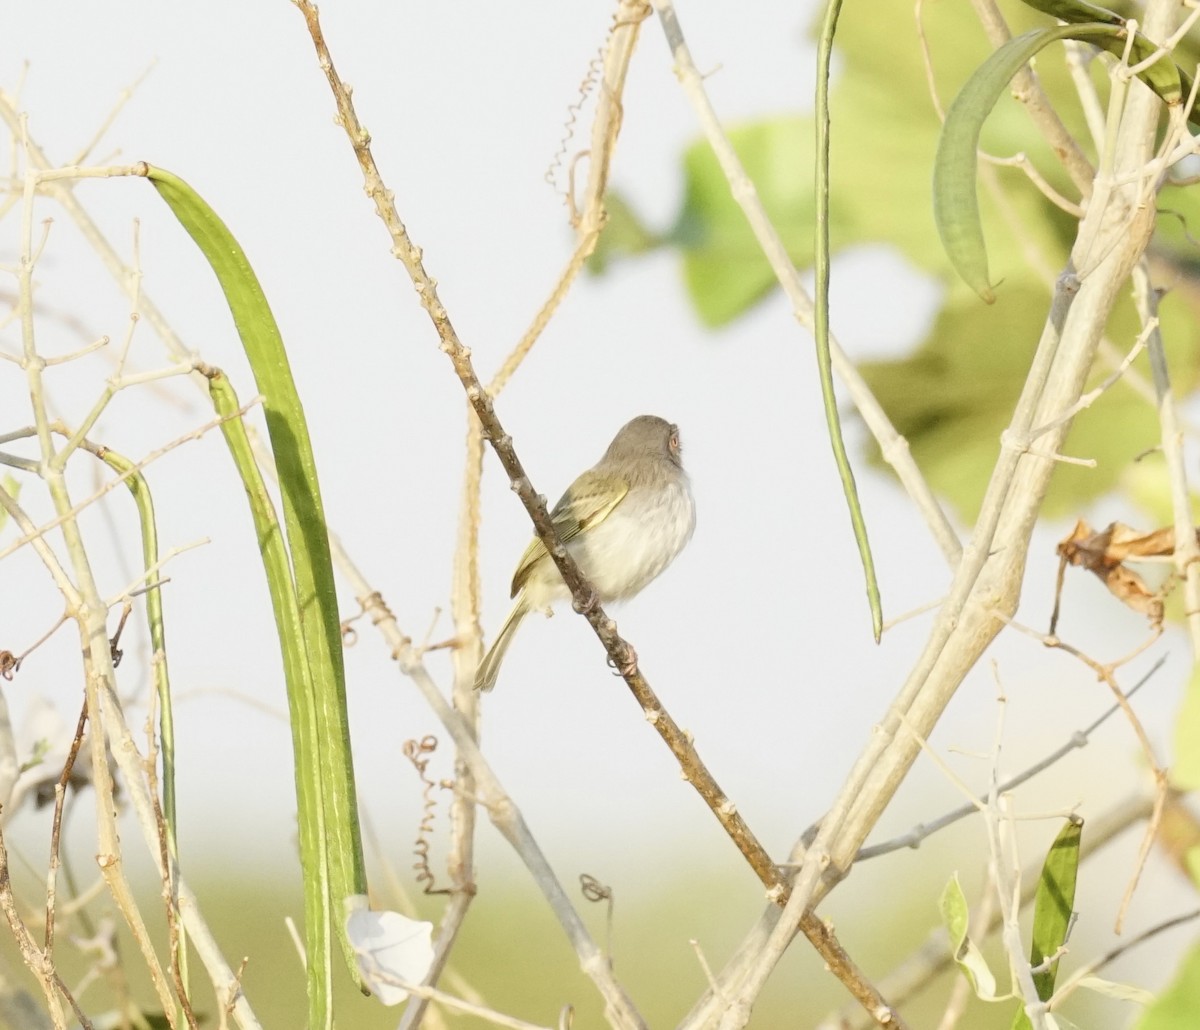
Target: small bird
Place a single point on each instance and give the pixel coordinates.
(624, 521)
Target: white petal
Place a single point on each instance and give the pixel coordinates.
(390, 948)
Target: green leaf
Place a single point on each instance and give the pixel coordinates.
(724, 267)
(1117, 991)
(1177, 1006)
(1185, 770)
(624, 234)
(956, 917)
(1054, 904)
(311, 636)
(953, 397)
(1191, 862)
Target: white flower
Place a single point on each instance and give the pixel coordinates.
(391, 949)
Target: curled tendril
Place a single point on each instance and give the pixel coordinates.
(591, 77)
(573, 111)
(594, 890)
(418, 752)
(373, 605)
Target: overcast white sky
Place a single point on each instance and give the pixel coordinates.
(757, 639)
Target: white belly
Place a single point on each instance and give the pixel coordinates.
(628, 549)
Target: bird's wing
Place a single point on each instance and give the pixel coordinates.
(589, 501)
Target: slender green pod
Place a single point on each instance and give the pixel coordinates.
(955, 196)
(821, 319)
(312, 644)
(306, 730)
(139, 489)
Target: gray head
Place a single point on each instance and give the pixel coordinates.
(646, 438)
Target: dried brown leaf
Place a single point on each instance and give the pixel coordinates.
(1104, 553)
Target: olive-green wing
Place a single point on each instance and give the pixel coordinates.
(588, 502)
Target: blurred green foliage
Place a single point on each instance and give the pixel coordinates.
(1178, 1007)
(513, 956)
(952, 396)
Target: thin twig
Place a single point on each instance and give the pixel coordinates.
(168, 864)
(1077, 978)
(1079, 56)
(1005, 874)
(1090, 398)
(34, 534)
(39, 962)
(459, 1004)
(1187, 549)
(122, 99)
(1165, 48)
(61, 190)
(465, 606)
(60, 793)
(62, 619)
(1078, 739)
(1161, 783)
(1021, 162)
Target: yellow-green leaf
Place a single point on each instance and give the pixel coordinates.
(1185, 769)
(956, 917)
(1054, 904)
(1177, 1006)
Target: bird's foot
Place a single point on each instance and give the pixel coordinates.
(627, 665)
(588, 604)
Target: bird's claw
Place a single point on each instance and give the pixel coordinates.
(627, 666)
(588, 604)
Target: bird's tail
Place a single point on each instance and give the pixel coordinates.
(489, 668)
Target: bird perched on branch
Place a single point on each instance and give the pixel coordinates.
(623, 521)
